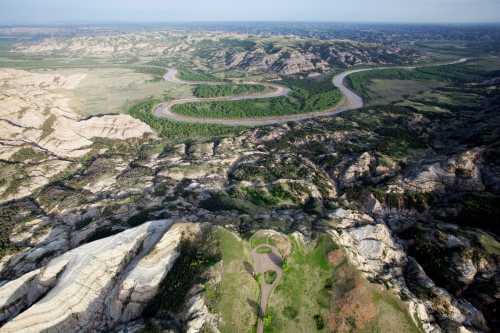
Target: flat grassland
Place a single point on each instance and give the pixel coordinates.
(115, 90)
(385, 91)
(389, 85)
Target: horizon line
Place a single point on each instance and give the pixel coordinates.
(167, 22)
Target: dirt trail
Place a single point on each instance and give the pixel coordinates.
(264, 262)
(350, 100)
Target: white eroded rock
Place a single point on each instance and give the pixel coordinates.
(95, 286)
(360, 168)
(460, 172)
(141, 283)
(370, 246)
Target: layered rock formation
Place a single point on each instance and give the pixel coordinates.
(96, 286)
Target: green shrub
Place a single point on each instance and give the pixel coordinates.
(222, 201)
(102, 232)
(268, 320)
(290, 312)
(208, 91)
(480, 210)
(270, 277)
(138, 218)
(320, 323)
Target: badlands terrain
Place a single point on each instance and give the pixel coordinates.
(383, 218)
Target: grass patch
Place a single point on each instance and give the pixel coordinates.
(384, 91)
(264, 250)
(28, 154)
(301, 295)
(235, 297)
(290, 312)
(490, 244)
(100, 92)
(156, 72)
(392, 315)
(259, 240)
(270, 277)
(321, 292)
(376, 84)
(48, 127)
(359, 306)
(192, 75)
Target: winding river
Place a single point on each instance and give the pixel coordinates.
(350, 100)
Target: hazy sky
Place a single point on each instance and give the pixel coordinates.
(67, 11)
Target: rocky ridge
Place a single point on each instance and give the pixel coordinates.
(228, 51)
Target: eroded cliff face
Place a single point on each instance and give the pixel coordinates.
(41, 136)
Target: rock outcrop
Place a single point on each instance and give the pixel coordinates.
(460, 172)
(358, 169)
(96, 286)
(372, 248)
